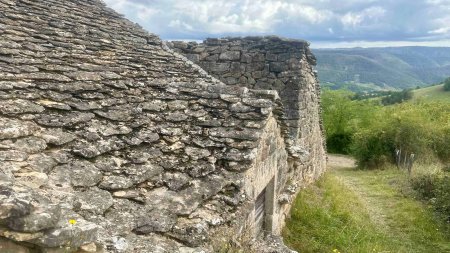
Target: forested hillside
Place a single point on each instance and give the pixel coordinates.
(383, 68)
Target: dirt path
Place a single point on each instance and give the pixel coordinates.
(400, 218)
(338, 163)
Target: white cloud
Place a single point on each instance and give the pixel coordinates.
(442, 30)
(380, 20)
(180, 24)
(351, 19)
(224, 16)
(145, 13)
(438, 2)
(372, 14)
(352, 44)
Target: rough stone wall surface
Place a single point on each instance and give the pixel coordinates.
(283, 65)
(269, 172)
(109, 141)
(267, 63)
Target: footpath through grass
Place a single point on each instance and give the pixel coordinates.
(350, 210)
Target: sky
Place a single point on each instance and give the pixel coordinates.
(324, 23)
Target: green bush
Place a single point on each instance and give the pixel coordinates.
(425, 185)
(434, 188)
(447, 84)
(441, 144)
(373, 149)
(339, 143)
(342, 117)
(396, 97)
(371, 132)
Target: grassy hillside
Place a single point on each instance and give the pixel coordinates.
(432, 93)
(388, 68)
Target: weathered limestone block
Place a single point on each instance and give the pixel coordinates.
(8, 85)
(200, 169)
(230, 55)
(19, 236)
(8, 246)
(176, 181)
(116, 183)
(39, 219)
(44, 76)
(193, 57)
(108, 129)
(156, 221)
(6, 173)
(71, 231)
(239, 155)
(277, 67)
(139, 173)
(27, 144)
(191, 232)
(12, 128)
(239, 107)
(13, 155)
(19, 106)
(21, 209)
(109, 163)
(176, 117)
(218, 67)
(54, 105)
(31, 179)
(63, 120)
(244, 134)
(94, 201)
(96, 146)
(197, 153)
(84, 76)
(154, 105)
(79, 173)
(116, 115)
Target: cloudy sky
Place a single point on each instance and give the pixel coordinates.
(325, 23)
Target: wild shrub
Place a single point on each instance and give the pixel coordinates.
(447, 84)
(373, 149)
(342, 117)
(434, 188)
(339, 143)
(372, 133)
(396, 97)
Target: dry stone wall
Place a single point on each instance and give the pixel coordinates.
(263, 63)
(285, 66)
(111, 142)
(272, 63)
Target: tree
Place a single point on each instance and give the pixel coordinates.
(342, 116)
(397, 97)
(447, 84)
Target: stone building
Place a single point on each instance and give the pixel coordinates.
(113, 141)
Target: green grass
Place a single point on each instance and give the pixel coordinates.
(432, 93)
(363, 211)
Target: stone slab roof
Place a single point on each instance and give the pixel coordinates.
(103, 130)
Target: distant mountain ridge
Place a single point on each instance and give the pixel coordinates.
(383, 68)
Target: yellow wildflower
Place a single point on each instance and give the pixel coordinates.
(72, 222)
